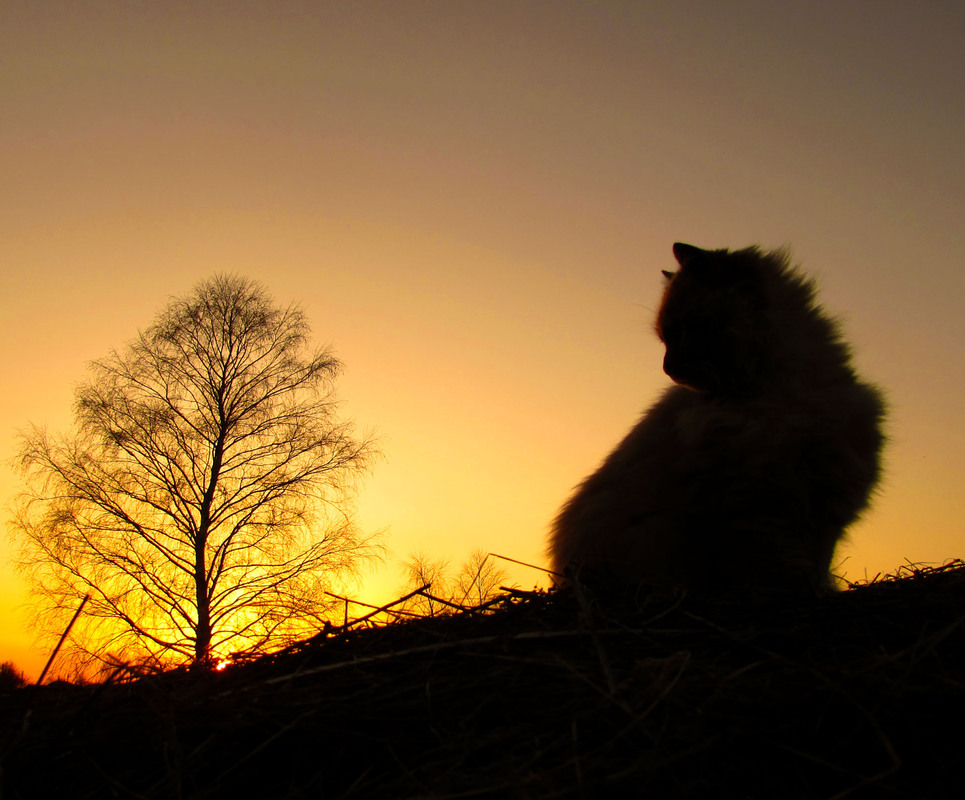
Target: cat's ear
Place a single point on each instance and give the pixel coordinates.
(668, 274)
(685, 253)
(708, 266)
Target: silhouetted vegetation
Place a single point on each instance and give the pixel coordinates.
(11, 677)
(201, 500)
(440, 591)
(539, 695)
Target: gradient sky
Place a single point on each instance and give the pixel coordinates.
(473, 202)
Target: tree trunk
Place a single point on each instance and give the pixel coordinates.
(202, 633)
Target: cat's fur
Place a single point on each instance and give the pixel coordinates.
(745, 474)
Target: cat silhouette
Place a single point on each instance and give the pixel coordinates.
(744, 475)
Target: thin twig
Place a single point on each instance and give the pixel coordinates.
(63, 636)
(525, 564)
(387, 606)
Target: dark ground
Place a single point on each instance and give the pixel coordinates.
(857, 695)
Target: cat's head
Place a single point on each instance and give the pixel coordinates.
(712, 320)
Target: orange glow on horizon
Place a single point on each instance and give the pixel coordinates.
(474, 209)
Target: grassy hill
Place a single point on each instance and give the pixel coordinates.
(856, 695)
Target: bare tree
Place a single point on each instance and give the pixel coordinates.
(421, 571)
(478, 580)
(202, 500)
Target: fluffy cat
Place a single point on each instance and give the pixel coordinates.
(744, 475)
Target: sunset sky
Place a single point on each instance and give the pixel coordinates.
(473, 202)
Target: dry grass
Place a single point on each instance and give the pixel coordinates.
(539, 695)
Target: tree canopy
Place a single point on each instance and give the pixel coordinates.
(202, 499)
